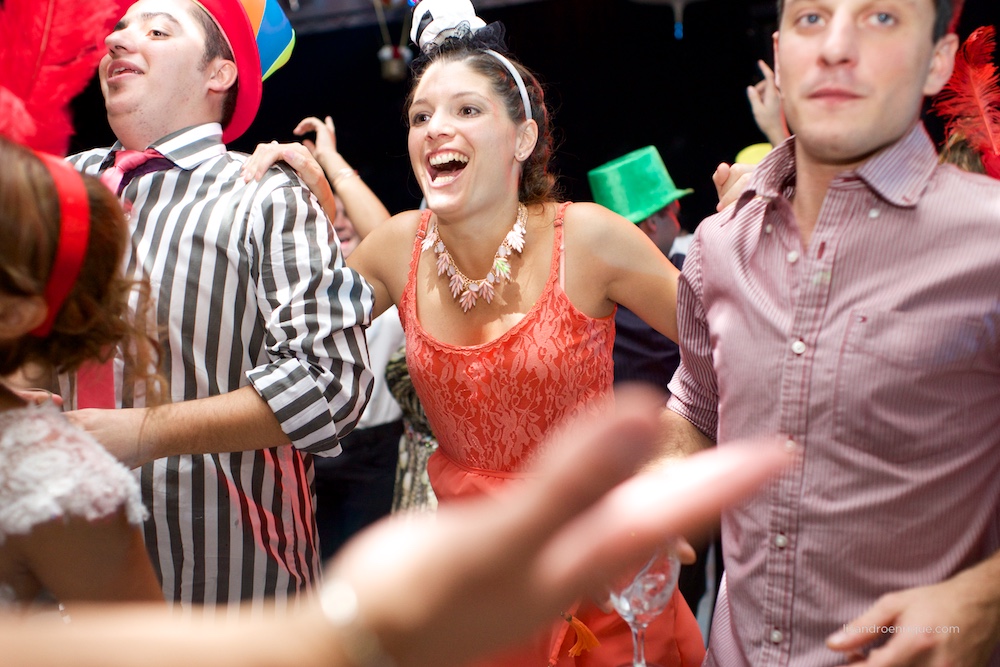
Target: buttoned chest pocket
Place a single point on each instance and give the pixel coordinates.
(900, 377)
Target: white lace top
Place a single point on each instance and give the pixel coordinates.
(49, 468)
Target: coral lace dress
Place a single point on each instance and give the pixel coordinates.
(491, 406)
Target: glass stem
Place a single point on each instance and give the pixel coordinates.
(638, 645)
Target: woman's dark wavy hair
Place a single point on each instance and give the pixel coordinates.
(538, 185)
(95, 316)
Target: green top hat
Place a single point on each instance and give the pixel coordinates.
(636, 185)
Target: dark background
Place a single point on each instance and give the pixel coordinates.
(615, 76)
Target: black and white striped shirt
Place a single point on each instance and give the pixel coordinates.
(250, 287)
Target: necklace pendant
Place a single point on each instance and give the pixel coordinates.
(468, 300)
(444, 265)
(455, 283)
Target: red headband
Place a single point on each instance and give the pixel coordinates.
(74, 233)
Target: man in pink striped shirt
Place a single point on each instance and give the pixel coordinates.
(850, 301)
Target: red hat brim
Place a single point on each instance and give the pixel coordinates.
(236, 26)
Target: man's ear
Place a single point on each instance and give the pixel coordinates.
(223, 76)
(20, 314)
(777, 69)
(942, 64)
(527, 137)
(648, 226)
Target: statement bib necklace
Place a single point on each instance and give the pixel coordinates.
(463, 288)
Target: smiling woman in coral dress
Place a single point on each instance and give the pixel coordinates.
(507, 297)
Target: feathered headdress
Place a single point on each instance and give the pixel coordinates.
(51, 49)
(970, 101)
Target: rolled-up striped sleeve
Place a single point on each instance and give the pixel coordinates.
(314, 310)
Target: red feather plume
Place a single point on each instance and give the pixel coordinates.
(51, 49)
(970, 102)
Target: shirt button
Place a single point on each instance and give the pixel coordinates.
(790, 444)
(780, 541)
(776, 636)
(874, 213)
(768, 228)
(798, 347)
(792, 256)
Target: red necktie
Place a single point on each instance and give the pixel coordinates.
(127, 161)
(95, 382)
(95, 385)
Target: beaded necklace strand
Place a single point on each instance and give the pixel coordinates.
(463, 288)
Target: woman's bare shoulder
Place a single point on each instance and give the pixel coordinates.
(388, 247)
(590, 222)
(400, 228)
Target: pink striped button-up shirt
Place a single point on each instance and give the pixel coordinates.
(875, 349)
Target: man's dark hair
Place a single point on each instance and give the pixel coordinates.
(216, 46)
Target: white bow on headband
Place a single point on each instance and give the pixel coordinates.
(436, 20)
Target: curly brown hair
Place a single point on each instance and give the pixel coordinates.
(95, 317)
(538, 184)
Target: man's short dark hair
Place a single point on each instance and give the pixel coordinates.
(216, 46)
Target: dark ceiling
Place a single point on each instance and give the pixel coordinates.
(312, 16)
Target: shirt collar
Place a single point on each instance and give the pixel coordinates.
(772, 177)
(898, 174)
(186, 148)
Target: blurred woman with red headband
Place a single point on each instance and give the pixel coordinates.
(69, 512)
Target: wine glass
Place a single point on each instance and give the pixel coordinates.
(641, 595)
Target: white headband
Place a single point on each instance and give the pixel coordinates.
(521, 88)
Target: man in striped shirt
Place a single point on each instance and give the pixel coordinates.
(262, 324)
(849, 302)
